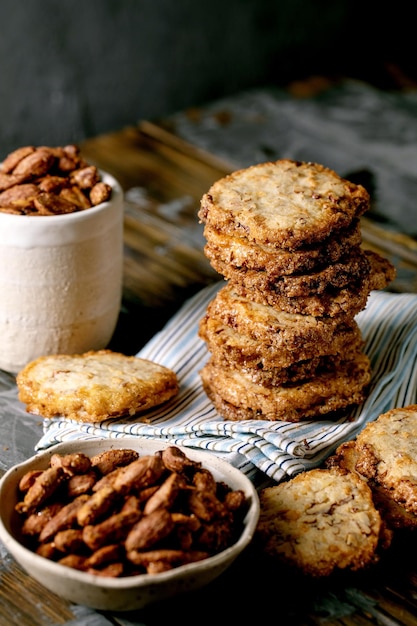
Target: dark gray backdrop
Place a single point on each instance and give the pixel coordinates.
(72, 69)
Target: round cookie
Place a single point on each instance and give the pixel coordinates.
(248, 350)
(323, 394)
(94, 386)
(297, 371)
(349, 270)
(274, 326)
(394, 514)
(227, 253)
(347, 301)
(332, 302)
(319, 522)
(387, 453)
(286, 203)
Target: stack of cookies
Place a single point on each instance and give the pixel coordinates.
(283, 340)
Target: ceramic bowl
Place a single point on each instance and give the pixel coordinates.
(130, 592)
(61, 280)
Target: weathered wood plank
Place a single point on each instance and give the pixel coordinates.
(164, 179)
(25, 602)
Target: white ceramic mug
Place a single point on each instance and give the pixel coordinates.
(60, 281)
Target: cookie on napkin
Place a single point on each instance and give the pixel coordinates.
(94, 386)
(237, 397)
(288, 203)
(233, 254)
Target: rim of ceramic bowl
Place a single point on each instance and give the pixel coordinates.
(41, 230)
(105, 177)
(18, 550)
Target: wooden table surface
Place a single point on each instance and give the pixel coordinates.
(164, 179)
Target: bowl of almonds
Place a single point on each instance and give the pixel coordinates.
(61, 254)
(120, 524)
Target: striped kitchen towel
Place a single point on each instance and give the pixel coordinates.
(258, 447)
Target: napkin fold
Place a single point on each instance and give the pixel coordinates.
(259, 447)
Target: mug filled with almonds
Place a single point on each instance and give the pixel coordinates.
(61, 254)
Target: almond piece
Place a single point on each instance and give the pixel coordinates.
(15, 157)
(51, 204)
(75, 196)
(18, 194)
(37, 163)
(85, 177)
(9, 180)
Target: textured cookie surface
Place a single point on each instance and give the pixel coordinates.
(352, 268)
(296, 372)
(288, 203)
(348, 300)
(229, 253)
(94, 386)
(320, 521)
(238, 348)
(394, 514)
(387, 453)
(320, 395)
(273, 326)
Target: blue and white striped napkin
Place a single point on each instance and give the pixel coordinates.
(259, 447)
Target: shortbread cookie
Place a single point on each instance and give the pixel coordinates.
(394, 514)
(227, 253)
(295, 281)
(278, 351)
(323, 394)
(285, 203)
(320, 522)
(382, 273)
(295, 372)
(387, 454)
(94, 386)
(347, 271)
(332, 302)
(348, 301)
(274, 327)
(235, 413)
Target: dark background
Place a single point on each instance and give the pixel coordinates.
(74, 69)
